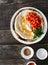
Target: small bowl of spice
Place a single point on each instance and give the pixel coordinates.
(31, 63)
(41, 54)
(27, 52)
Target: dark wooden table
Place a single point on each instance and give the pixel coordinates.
(9, 47)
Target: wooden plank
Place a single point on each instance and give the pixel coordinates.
(7, 38)
(3, 1)
(13, 62)
(13, 51)
(10, 55)
(21, 62)
(6, 12)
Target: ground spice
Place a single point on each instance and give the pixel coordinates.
(27, 52)
(31, 64)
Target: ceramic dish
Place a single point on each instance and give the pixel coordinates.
(28, 31)
(27, 52)
(31, 63)
(41, 54)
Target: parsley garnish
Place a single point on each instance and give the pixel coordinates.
(38, 33)
(34, 30)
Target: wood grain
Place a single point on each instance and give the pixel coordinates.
(6, 37)
(10, 54)
(13, 51)
(9, 47)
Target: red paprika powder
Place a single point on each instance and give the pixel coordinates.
(31, 64)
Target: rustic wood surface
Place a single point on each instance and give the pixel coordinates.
(9, 47)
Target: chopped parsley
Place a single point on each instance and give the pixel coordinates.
(38, 33)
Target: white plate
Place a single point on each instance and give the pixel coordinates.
(15, 35)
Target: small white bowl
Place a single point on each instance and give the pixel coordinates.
(15, 35)
(27, 56)
(31, 62)
(41, 54)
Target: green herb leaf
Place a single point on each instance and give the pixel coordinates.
(34, 30)
(35, 36)
(39, 32)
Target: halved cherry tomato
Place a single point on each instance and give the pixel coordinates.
(34, 20)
